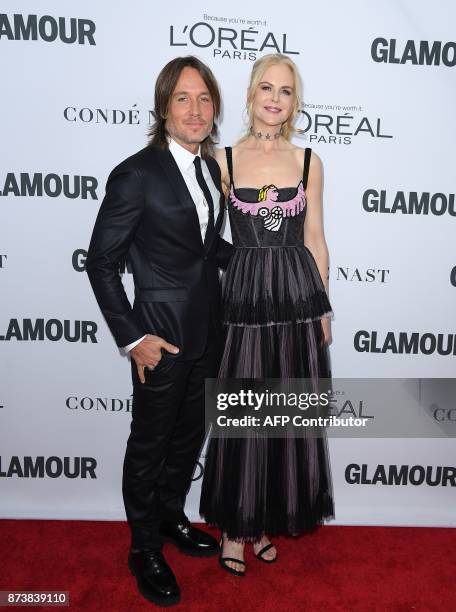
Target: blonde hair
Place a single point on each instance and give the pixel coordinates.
(258, 70)
(263, 193)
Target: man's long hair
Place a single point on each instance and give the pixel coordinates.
(164, 87)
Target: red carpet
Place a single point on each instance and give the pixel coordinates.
(334, 569)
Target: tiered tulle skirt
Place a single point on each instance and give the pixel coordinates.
(273, 303)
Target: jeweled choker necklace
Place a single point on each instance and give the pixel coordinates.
(261, 136)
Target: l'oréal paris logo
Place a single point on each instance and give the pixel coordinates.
(337, 124)
(231, 38)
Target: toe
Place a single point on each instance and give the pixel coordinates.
(268, 555)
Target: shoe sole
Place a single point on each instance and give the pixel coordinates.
(159, 601)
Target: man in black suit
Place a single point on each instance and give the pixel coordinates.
(163, 210)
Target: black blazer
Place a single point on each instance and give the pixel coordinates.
(149, 217)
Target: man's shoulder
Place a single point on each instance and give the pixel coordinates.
(141, 160)
(132, 171)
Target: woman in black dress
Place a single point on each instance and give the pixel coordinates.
(276, 319)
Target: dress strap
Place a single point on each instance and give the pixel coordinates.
(305, 176)
(229, 161)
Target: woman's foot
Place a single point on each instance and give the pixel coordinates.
(269, 553)
(232, 555)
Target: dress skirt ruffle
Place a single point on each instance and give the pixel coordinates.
(273, 285)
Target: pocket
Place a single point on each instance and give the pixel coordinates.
(163, 368)
(166, 294)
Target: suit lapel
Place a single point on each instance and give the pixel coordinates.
(179, 186)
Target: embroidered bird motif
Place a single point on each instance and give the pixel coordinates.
(267, 207)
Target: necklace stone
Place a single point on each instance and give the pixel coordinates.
(266, 136)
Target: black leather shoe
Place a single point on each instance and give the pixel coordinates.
(156, 581)
(189, 539)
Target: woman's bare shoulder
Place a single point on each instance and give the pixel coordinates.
(220, 158)
(315, 160)
(239, 146)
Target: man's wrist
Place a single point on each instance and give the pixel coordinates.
(132, 345)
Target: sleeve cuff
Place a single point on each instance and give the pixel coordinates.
(132, 345)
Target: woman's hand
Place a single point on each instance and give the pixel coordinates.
(326, 326)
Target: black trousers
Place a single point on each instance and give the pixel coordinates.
(167, 432)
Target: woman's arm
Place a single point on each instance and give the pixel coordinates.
(314, 236)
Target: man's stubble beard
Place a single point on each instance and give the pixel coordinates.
(191, 140)
(185, 138)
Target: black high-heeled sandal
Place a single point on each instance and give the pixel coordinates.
(260, 553)
(227, 568)
(231, 570)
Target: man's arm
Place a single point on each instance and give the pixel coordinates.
(223, 253)
(114, 231)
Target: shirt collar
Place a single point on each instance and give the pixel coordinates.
(183, 157)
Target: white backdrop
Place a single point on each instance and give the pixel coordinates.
(377, 125)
